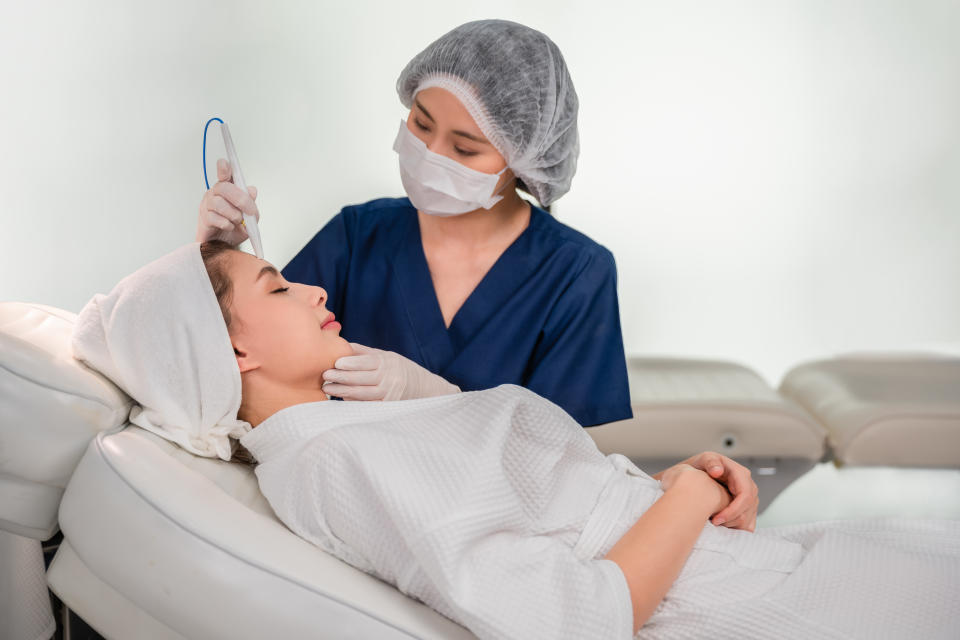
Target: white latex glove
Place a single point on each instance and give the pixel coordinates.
(372, 374)
(221, 206)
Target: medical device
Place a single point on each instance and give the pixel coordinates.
(250, 222)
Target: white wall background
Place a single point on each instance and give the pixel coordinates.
(778, 180)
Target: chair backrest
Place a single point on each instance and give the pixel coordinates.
(51, 407)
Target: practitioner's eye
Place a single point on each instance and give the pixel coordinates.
(420, 125)
(280, 290)
(464, 152)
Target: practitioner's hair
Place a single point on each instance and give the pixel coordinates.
(214, 253)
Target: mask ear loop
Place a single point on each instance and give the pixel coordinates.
(207, 182)
(501, 189)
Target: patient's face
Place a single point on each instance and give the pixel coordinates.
(278, 325)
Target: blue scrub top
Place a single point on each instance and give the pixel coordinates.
(545, 316)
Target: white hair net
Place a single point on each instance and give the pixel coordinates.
(160, 336)
(514, 83)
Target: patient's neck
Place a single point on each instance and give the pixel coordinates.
(263, 397)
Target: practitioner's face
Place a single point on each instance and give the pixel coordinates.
(282, 329)
(441, 121)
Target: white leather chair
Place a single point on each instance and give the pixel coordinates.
(884, 408)
(50, 408)
(684, 406)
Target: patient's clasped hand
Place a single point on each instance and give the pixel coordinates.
(493, 507)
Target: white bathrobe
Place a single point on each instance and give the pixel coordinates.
(495, 508)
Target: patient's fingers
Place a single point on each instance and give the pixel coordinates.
(744, 508)
(747, 522)
(737, 478)
(732, 511)
(714, 464)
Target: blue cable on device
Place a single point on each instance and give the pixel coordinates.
(249, 221)
(205, 149)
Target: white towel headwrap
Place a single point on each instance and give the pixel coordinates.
(160, 336)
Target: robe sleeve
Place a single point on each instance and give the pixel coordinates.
(579, 362)
(325, 260)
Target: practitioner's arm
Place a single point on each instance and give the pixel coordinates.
(652, 553)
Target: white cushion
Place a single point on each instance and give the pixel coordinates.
(884, 409)
(193, 547)
(51, 406)
(682, 407)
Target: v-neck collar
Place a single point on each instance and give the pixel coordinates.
(440, 345)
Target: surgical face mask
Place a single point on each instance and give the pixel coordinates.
(438, 185)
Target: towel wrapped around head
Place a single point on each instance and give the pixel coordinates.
(160, 336)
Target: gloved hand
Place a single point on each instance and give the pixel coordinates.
(372, 374)
(221, 206)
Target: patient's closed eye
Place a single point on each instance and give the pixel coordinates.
(280, 290)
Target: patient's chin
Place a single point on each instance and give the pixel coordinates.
(343, 348)
(332, 348)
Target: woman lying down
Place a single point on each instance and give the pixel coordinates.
(492, 507)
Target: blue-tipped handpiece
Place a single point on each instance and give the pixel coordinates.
(250, 222)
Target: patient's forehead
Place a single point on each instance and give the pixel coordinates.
(245, 267)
